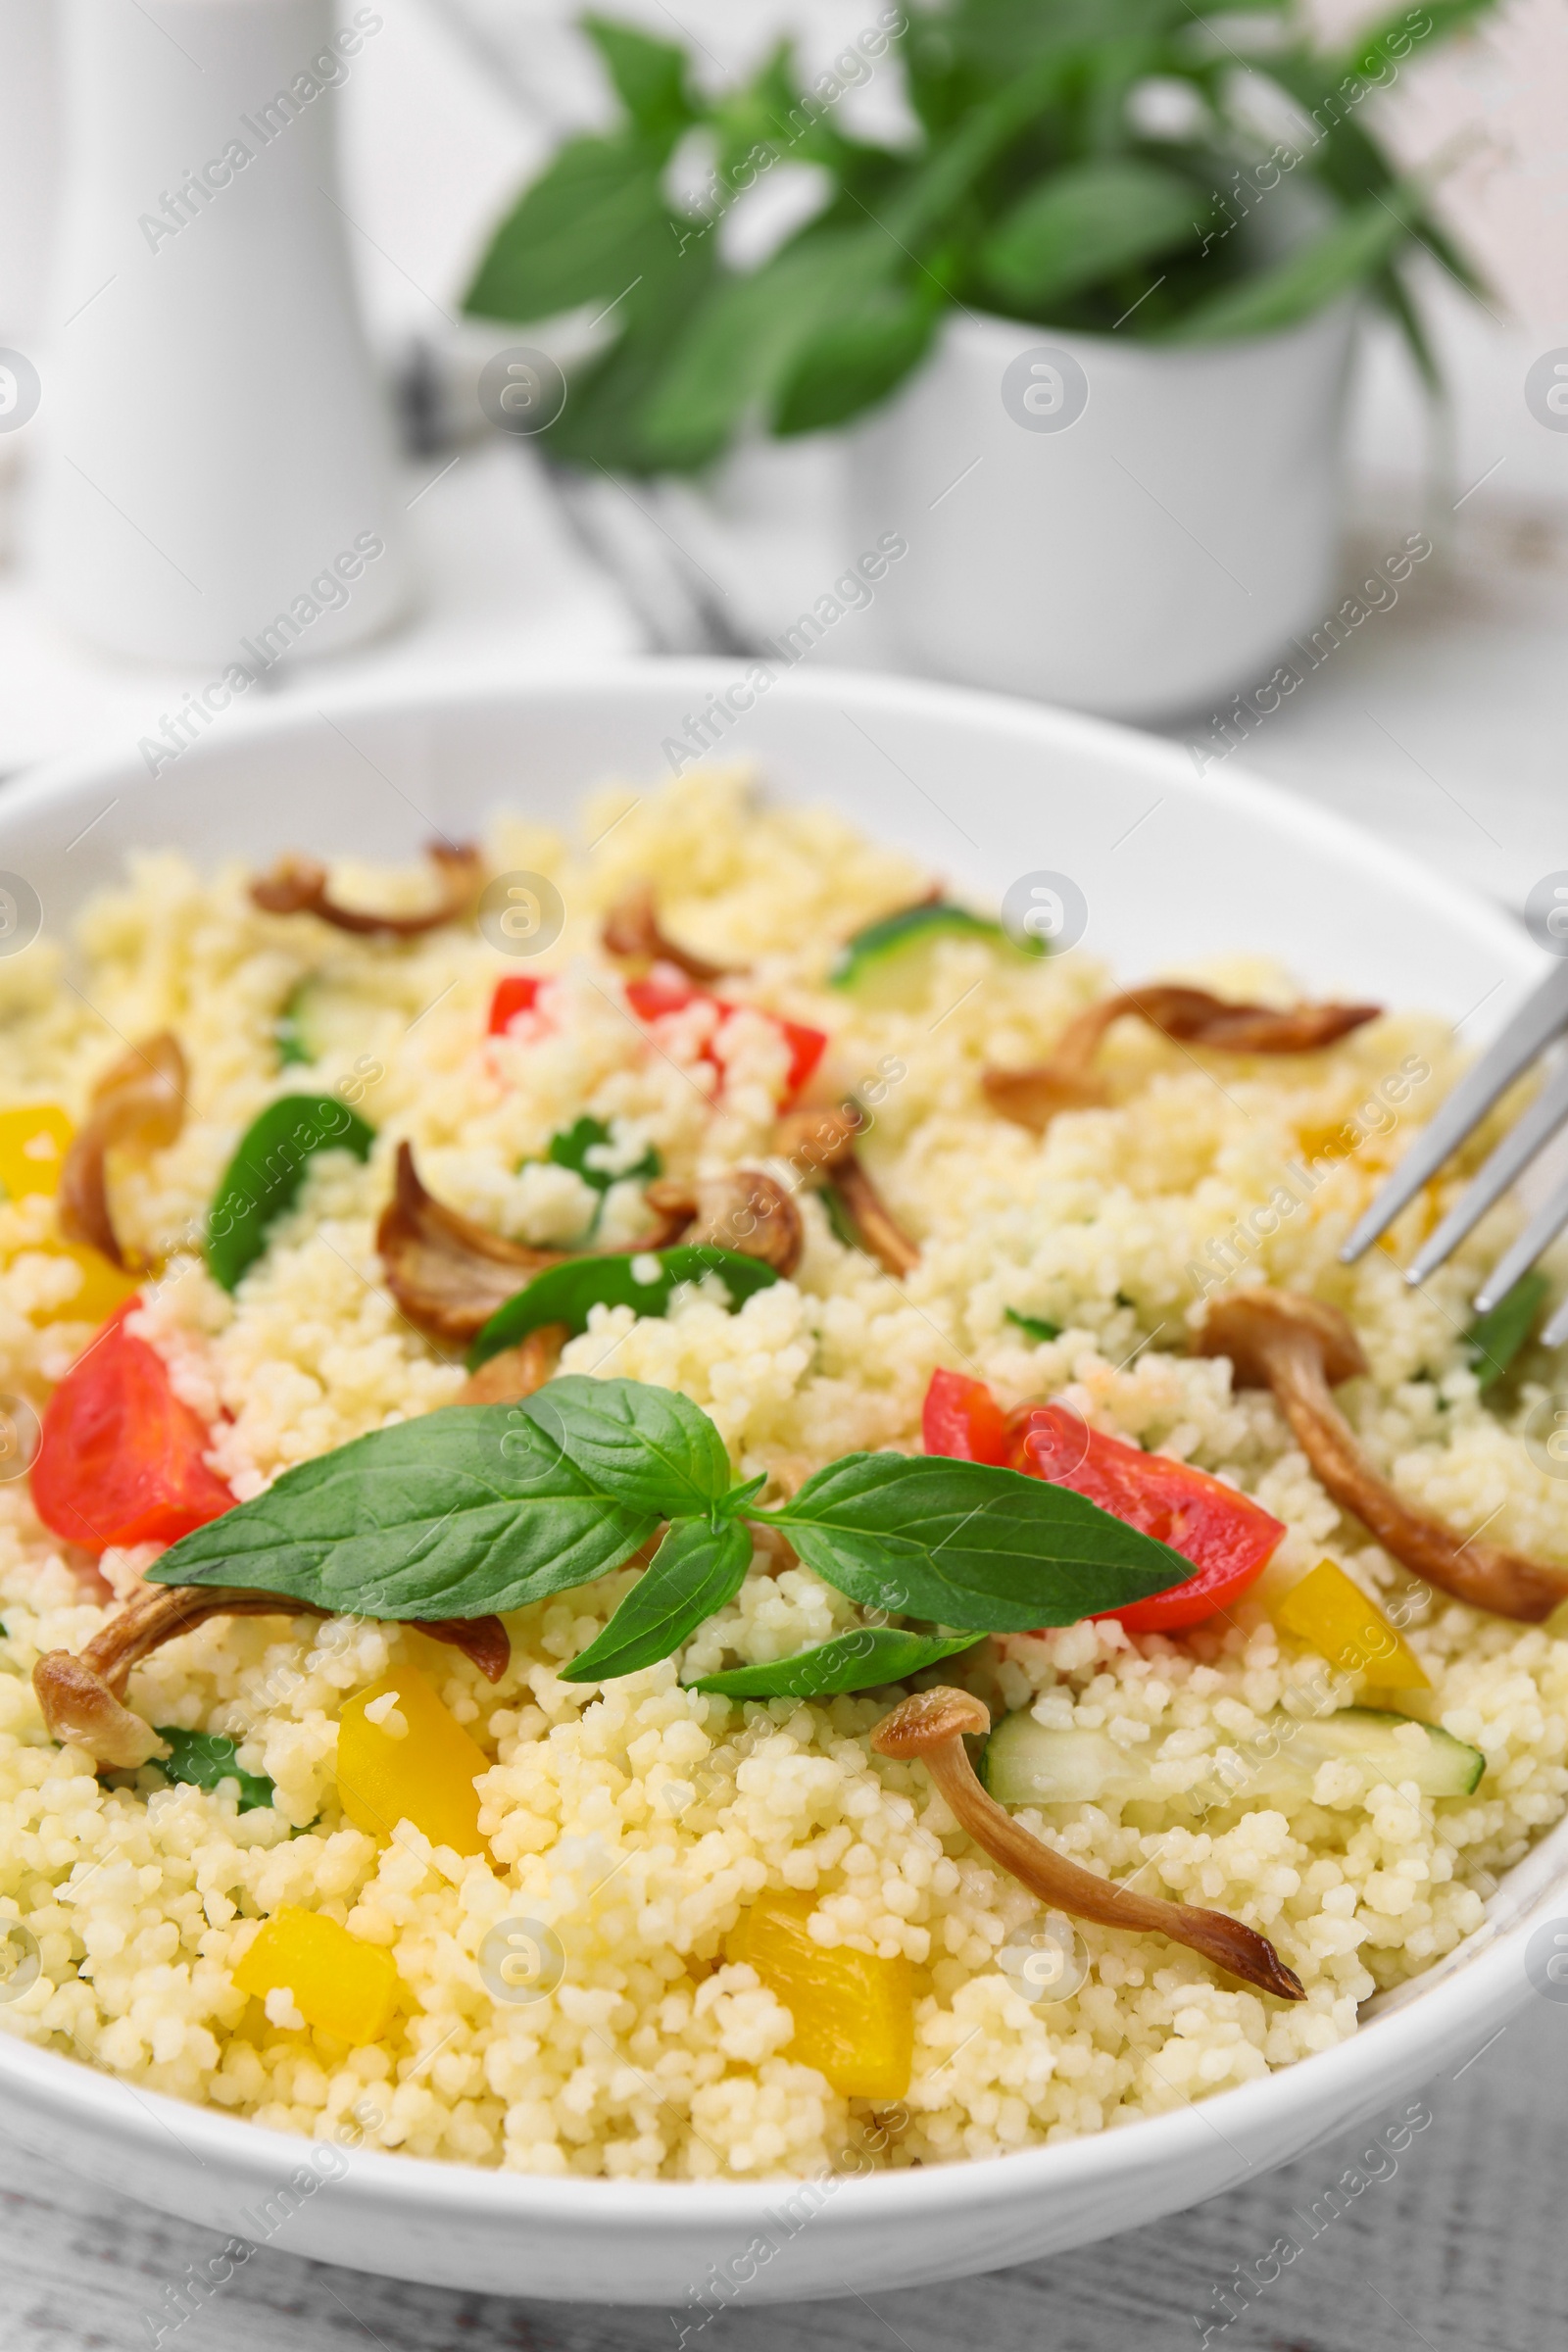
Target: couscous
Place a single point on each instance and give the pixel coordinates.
(736, 1115)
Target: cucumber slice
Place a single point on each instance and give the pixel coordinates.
(888, 964)
(324, 1017)
(1025, 1763)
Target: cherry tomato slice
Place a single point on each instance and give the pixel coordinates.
(517, 993)
(1228, 1538)
(961, 1418)
(663, 991)
(119, 1455)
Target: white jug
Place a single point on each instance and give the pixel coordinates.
(216, 479)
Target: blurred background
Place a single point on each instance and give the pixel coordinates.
(192, 423)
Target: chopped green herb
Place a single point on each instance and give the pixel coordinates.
(204, 1759)
(266, 1173)
(287, 1031)
(565, 1293)
(1496, 1338)
(1036, 1326)
(573, 1147)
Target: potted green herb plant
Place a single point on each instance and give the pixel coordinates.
(1085, 332)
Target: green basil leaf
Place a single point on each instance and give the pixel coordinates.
(856, 361)
(1085, 222)
(748, 339)
(649, 78)
(1037, 1326)
(859, 1661)
(204, 1758)
(1350, 251)
(651, 1447)
(265, 1174)
(591, 224)
(571, 1149)
(965, 1544)
(461, 1513)
(1496, 1338)
(565, 1293)
(695, 1571)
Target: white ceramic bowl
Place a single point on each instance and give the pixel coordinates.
(985, 789)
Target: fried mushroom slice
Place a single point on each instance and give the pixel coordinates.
(820, 1144)
(448, 1274)
(931, 1727)
(1303, 1350)
(300, 886)
(82, 1697)
(631, 933)
(746, 1211)
(139, 1104)
(1189, 1016)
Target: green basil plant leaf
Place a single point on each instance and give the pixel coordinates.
(648, 77)
(1087, 221)
(565, 1294)
(963, 1544)
(1343, 256)
(204, 1759)
(695, 1570)
(864, 1660)
(461, 1513)
(651, 1447)
(264, 1177)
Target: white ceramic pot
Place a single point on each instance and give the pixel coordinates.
(982, 790)
(1126, 528)
(217, 464)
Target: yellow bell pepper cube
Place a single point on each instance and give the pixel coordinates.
(409, 1760)
(854, 2013)
(338, 1984)
(33, 1148)
(1335, 1617)
(33, 1141)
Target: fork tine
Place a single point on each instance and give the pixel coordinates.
(1557, 1330)
(1533, 1026)
(1541, 1230)
(1518, 1150)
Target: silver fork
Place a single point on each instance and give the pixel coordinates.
(1543, 1018)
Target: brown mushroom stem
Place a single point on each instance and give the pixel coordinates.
(631, 931)
(1303, 1350)
(931, 1727)
(80, 1696)
(1189, 1016)
(300, 886)
(139, 1102)
(820, 1144)
(518, 1372)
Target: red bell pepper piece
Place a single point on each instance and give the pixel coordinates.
(517, 993)
(120, 1456)
(961, 1418)
(664, 991)
(1228, 1538)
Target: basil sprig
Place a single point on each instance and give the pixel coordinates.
(481, 1508)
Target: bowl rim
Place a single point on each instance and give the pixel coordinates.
(1483, 1977)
